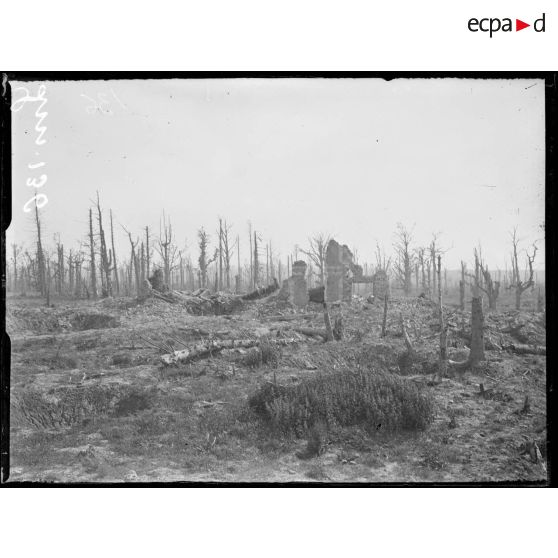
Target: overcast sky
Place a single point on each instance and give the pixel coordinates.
(350, 157)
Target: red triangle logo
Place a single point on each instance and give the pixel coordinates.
(519, 25)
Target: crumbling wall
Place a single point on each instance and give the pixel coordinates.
(339, 262)
(295, 288)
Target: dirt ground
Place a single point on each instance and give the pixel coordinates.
(91, 401)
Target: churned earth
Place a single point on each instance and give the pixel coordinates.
(92, 402)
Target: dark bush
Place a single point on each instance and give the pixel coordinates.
(136, 399)
(121, 359)
(344, 398)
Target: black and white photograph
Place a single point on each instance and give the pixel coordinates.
(302, 279)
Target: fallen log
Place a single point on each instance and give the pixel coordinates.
(311, 332)
(525, 349)
(262, 293)
(210, 347)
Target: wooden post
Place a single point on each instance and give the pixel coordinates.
(384, 320)
(327, 320)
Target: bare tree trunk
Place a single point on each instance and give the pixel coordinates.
(256, 262)
(220, 286)
(477, 332)
(143, 276)
(267, 264)
(252, 282)
(106, 263)
(462, 287)
(443, 360)
(147, 252)
(93, 270)
(60, 269)
(40, 255)
(70, 273)
(114, 263)
(48, 283)
(238, 284)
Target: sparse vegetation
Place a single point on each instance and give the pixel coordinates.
(263, 394)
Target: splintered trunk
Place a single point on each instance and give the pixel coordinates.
(267, 264)
(256, 262)
(238, 277)
(493, 295)
(220, 286)
(462, 288)
(136, 271)
(93, 270)
(252, 284)
(70, 273)
(477, 331)
(147, 253)
(106, 257)
(114, 263)
(443, 359)
(40, 255)
(142, 264)
(48, 283)
(422, 274)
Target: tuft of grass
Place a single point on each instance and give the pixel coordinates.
(344, 398)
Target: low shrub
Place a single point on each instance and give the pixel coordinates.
(74, 405)
(270, 353)
(253, 358)
(265, 353)
(344, 398)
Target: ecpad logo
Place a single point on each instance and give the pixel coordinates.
(493, 25)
